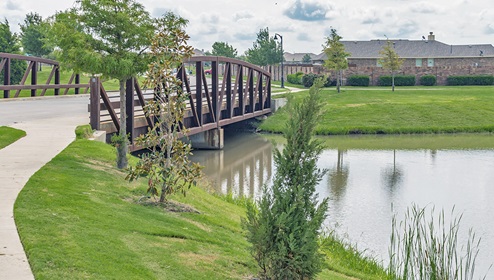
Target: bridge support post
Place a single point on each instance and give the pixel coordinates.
(6, 77)
(94, 100)
(129, 108)
(207, 140)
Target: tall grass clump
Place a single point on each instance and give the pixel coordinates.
(424, 246)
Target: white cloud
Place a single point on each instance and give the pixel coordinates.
(12, 6)
(453, 21)
(242, 15)
(306, 10)
(425, 8)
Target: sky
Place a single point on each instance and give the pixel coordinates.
(304, 24)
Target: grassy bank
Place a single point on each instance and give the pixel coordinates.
(458, 141)
(9, 135)
(78, 218)
(407, 110)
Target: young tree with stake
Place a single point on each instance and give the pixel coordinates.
(390, 60)
(336, 57)
(167, 166)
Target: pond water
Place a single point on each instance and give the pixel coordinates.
(370, 178)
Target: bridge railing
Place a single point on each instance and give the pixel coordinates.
(221, 91)
(52, 82)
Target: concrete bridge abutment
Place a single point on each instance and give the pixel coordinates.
(208, 140)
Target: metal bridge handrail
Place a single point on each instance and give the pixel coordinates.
(227, 59)
(29, 58)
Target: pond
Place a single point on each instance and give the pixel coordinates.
(371, 177)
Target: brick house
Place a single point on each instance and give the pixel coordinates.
(422, 57)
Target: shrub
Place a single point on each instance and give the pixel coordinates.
(284, 227)
(400, 80)
(329, 82)
(428, 80)
(83, 132)
(308, 79)
(358, 80)
(295, 78)
(292, 78)
(471, 80)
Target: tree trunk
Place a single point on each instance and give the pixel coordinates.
(122, 147)
(338, 81)
(168, 119)
(393, 82)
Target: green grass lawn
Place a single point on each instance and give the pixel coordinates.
(407, 110)
(79, 219)
(9, 135)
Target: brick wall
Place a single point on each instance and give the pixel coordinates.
(443, 67)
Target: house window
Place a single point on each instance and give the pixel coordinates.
(418, 62)
(430, 62)
(378, 64)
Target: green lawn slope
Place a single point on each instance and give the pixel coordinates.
(79, 219)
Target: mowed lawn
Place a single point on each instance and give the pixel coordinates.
(378, 110)
(9, 135)
(79, 219)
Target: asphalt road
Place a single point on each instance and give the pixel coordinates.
(21, 110)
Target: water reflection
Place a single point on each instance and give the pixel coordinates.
(242, 167)
(443, 171)
(338, 177)
(392, 176)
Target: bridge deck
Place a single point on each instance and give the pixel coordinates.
(234, 92)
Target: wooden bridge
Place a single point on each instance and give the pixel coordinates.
(33, 63)
(230, 91)
(222, 91)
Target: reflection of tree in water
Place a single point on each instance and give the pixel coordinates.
(433, 155)
(338, 177)
(392, 176)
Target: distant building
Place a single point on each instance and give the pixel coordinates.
(422, 57)
(198, 52)
(297, 58)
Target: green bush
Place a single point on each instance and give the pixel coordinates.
(400, 80)
(358, 80)
(428, 80)
(330, 82)
(295, 78)
(284, 226)
(83, 132)
(308, 80)
(471, 80)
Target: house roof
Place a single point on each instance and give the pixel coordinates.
(198, 52)
(414, 49)
(297, 57)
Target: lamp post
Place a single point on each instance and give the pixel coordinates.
(276, 35)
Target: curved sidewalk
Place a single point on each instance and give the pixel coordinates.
(47, 134)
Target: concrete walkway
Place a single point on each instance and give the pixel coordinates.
(49, 130)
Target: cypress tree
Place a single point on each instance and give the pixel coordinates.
(284, 226)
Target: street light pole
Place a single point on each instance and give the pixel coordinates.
(276, 35)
